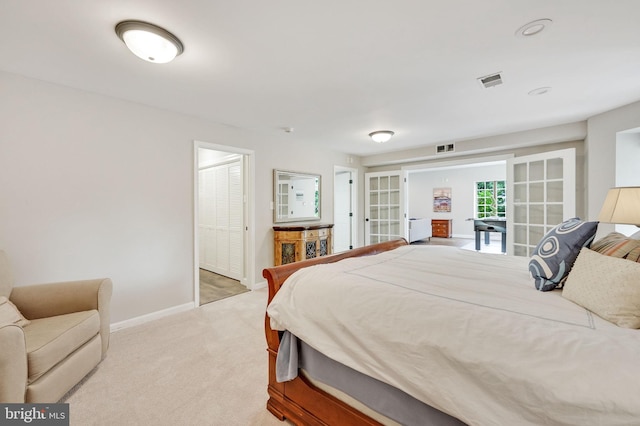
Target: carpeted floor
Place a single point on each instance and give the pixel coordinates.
(217, 287)
(206, 366)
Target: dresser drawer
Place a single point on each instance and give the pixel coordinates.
(441, 228)
(307, 235)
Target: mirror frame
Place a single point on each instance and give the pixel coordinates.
(276, 204)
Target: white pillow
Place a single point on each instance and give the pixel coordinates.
(607, 286)
(635, 236)
(9, 314)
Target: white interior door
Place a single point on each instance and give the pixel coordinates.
(541, 193)
(221, 219)
(206, 216)
(343, 209)
(385, 210)
(235, 200)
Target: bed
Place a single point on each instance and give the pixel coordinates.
(468, 342)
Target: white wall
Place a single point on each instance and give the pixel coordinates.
(627, 161)
(600, 147)
(461, 180)
(93, 186)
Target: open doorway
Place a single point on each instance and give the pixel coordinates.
(222, 213)
(453, 225)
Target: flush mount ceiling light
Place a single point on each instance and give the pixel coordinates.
(540, 91)
(381, 136)
(533, 28)
(149, 42)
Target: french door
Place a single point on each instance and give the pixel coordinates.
(385, 210)
(541, 193)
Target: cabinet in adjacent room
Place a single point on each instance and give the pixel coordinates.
(441, 228)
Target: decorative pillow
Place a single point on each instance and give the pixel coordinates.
(9, 314)
(607, 286)
(555, 253)
(617, 245)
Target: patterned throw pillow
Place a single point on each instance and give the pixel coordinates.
(607, 286)
(554, 255)
(617, 245)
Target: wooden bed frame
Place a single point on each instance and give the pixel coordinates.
(298, 400)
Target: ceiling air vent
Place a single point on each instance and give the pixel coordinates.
(490, 80)
(441, 149)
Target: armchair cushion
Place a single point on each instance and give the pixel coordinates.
(9, 314)
(53, 299)
(13, 364)
(51, 340)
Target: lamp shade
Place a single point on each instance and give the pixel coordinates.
(149, 42)
(622, 205)
(381, 136)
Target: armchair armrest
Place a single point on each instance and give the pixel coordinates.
(13, 364)
(47, 300)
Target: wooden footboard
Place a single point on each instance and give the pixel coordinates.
(298, 400)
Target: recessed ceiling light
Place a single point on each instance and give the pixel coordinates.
(149, 42)
(539, 91)
(533, 28)
(381, 136)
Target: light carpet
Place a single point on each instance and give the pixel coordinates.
(206, 366)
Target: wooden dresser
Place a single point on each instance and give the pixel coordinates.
(299, 242)
(441, 228)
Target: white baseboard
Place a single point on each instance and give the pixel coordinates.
(463, 236)
(165, 312)
(258, 286)
(152, 316)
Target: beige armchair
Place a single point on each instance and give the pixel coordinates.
(66, 337)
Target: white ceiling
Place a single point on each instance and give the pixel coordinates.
(337, 70)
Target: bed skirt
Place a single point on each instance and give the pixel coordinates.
(390, 402)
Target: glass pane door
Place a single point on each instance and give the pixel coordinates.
(384, 212)
(543, 188)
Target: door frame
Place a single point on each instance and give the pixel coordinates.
(248, 258)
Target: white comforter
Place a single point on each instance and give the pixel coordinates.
(466, 333)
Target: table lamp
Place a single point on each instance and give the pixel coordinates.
(622, 206)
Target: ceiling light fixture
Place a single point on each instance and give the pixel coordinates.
(381, 136)
(540, 91)
(149, 42)
(533, 28)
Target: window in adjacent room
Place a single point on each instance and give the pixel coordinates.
(491, 199)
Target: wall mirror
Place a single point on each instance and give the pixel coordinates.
(296, 196)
